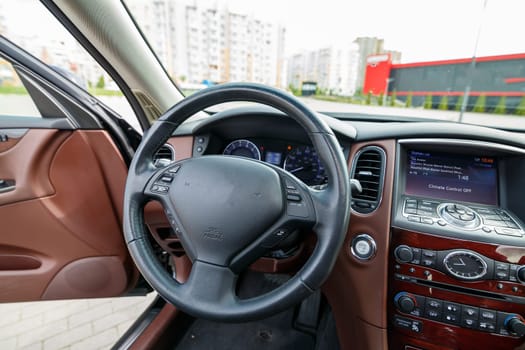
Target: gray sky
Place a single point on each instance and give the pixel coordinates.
(420, 29)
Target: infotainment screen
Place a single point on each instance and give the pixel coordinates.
(455, 177)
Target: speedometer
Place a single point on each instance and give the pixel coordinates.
(304, 163)
(242, 148)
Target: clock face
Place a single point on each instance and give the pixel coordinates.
(465, 265)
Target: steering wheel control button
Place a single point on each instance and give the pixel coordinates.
(166, 178)
(293, 197)
(276, 237)
(363, 247)
(159, 189)
(174, 170)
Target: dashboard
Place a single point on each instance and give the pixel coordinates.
(434, 257)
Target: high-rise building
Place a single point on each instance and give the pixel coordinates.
(366, 46)
(208, 43)
(2, 21)
(395, 56)
(333, 68)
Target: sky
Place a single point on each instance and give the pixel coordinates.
(422, 30)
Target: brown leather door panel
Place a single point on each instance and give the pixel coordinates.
(61, 231)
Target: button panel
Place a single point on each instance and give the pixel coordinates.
(495, 270)
(494, 221)
(465, 316)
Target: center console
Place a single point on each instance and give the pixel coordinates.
(457, 259)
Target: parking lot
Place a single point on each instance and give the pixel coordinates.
(77, 324)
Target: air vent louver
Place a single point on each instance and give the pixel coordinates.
(368, 170)
(164, 156)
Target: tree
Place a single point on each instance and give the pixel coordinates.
(501, 107)
(428, 102)
(380, 99)
(443, 104)
(408, 102)
(101, 83)
(480, 104)
(393, 98)
(520, 108)
(459, 103)
(368, 100)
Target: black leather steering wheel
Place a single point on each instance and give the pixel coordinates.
(228, 211)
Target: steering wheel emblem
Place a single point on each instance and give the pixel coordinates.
(213, 233)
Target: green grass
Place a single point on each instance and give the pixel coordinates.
(103, 92)
(335, 98)
(14, 90)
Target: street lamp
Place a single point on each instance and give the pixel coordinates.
(388, 81)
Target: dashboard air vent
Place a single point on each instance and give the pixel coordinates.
(164, 156)
(368, 169)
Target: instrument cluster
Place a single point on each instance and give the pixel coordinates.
(298, 159)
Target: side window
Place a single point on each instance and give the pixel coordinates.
(52, 44)
(14, 98)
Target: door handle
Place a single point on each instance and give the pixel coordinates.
(7, 185)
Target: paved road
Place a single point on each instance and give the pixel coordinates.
(22, 105)
(88, 324)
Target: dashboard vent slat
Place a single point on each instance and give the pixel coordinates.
(368, 169)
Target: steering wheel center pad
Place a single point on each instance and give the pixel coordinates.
(224, 203)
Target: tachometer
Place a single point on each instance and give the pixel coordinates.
(304, 163)
(242, 148)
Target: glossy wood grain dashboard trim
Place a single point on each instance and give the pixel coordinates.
(446, 335)
(356, 290)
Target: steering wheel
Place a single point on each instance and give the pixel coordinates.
(229, 211)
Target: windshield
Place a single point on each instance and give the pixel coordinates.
(453, 60)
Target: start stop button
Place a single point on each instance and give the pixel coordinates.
(363, 247)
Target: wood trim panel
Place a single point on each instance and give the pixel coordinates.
(356, 290)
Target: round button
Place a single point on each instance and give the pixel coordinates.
(404, 254)
(363, 247)
(520, 274)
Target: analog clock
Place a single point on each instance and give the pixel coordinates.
(465, 265)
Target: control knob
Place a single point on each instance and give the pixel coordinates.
(520, 274)
(403, 254)
(514, 323)
(405, 302)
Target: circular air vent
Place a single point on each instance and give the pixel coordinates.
(164, 156)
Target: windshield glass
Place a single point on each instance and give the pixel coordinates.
(441, 59)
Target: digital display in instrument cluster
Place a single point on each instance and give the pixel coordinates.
(274, 158)
(465, 178)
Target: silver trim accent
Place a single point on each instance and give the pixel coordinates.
(465, 143)
(456, 252)
(167, 145)
(7, 189)
(466, 225)
(382, 177)
(247, 141)
(370, 240)
(14, 133)
(160, 164)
